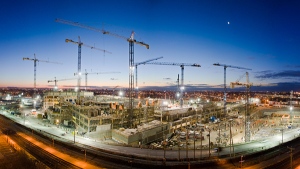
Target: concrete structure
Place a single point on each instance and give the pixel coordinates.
(143, 134)
(151, 122)
(52, 97)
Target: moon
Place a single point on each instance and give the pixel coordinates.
(228, 23)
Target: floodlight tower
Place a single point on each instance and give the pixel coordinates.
(225, 67)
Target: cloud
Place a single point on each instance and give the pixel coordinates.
(292, 66)
(285, 74)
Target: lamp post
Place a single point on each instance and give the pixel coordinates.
(291, 156)
(208, 142)
(241, 161)
(74, 134)
(291, 114)
(23, 112)
(186, 141)
(164, 142)
(201, 143)
(179, 148)
(230, 141)
(84, 154)
(219, 138)
(194, 143)
(281, 136)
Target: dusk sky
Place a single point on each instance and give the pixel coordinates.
(263, 35)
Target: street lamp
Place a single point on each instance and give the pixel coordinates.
(219, 138)
(281, 135)
(23, 112)
(201, 143)
(231, 140)
(74, 134)
(291, 111)
(208, 142)
(84, 154)
(178, 144)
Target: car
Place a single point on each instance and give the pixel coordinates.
(218, 149)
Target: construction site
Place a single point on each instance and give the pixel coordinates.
(130, 119)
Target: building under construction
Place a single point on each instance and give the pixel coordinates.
(153, 119)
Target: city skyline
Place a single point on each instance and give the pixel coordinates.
(260, 35)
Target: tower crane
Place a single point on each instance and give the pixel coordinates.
(182, 73)
(131, 41)
(140, 63)
(34, 61)
(55, 81)
(247, 113)
(86, 73)
(79, 43)
(225, 67)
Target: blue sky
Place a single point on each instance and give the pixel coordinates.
(261, 35)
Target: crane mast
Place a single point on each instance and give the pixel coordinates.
(225, 89)
(79, 43)
(182, 73)
(247, 113)
(55, 82)
(86, 75)
(131, 41)
(34, 65)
